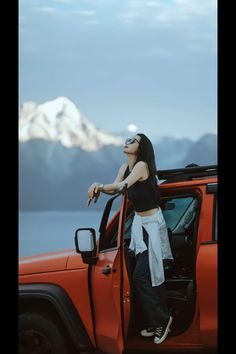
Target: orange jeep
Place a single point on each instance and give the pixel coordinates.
(82, 300)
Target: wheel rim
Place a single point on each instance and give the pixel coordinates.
(34, 342)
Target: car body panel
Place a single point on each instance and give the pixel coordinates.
(207, 293)
(43, 263)
(75, 283)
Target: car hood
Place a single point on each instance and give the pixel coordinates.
(47, 262)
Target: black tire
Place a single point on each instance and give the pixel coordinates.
(40, 334)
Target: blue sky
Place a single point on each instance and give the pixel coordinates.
(151, 63)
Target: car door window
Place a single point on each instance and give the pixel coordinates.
(108, 238)
(175, 209)
(176, 216)
(112, 241)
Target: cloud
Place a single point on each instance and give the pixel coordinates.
(171, 13)
(186, 11)
(144, 3)
(84, 13)
(157, 52)
(153, 4)
(200, 48)
(128, 17)
(64, 1)
(45, 9)
(100, 2)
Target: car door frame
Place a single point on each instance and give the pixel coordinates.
(109, 316)
(207, 269)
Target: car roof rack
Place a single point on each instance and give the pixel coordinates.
(187, 173)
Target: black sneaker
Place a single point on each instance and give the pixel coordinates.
(149, 332)
(162, 332)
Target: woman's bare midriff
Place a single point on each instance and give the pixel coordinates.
(147, 212)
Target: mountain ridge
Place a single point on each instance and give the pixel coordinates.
(60, 120)
(53, 177)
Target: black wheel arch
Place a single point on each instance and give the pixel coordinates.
(54, 299)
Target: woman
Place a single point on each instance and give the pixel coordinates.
(143, 192)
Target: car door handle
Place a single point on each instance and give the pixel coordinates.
(107, 270)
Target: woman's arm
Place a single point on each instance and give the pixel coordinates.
(135, 175)
(119, 178)
(94, 193)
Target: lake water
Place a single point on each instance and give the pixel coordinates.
(41, 232)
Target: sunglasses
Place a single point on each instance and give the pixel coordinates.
(130, 141)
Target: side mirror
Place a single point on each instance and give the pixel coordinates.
(85, 242)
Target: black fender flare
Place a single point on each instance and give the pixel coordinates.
(58, 298)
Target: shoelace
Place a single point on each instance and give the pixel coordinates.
(151, 329)
(158, 331)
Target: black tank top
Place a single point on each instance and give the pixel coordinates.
(142, 194)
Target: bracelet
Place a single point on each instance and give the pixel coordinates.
(101, 186)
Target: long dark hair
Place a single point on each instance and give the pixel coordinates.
(146, 153)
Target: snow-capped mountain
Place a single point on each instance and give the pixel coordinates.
(61, 121)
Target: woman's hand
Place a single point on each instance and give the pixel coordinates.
(92, 189)
(93, 192)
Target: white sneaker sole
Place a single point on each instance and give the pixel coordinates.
(151, 334)
(159, 341)
(146, 334)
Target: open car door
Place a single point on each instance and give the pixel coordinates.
(107, 282)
